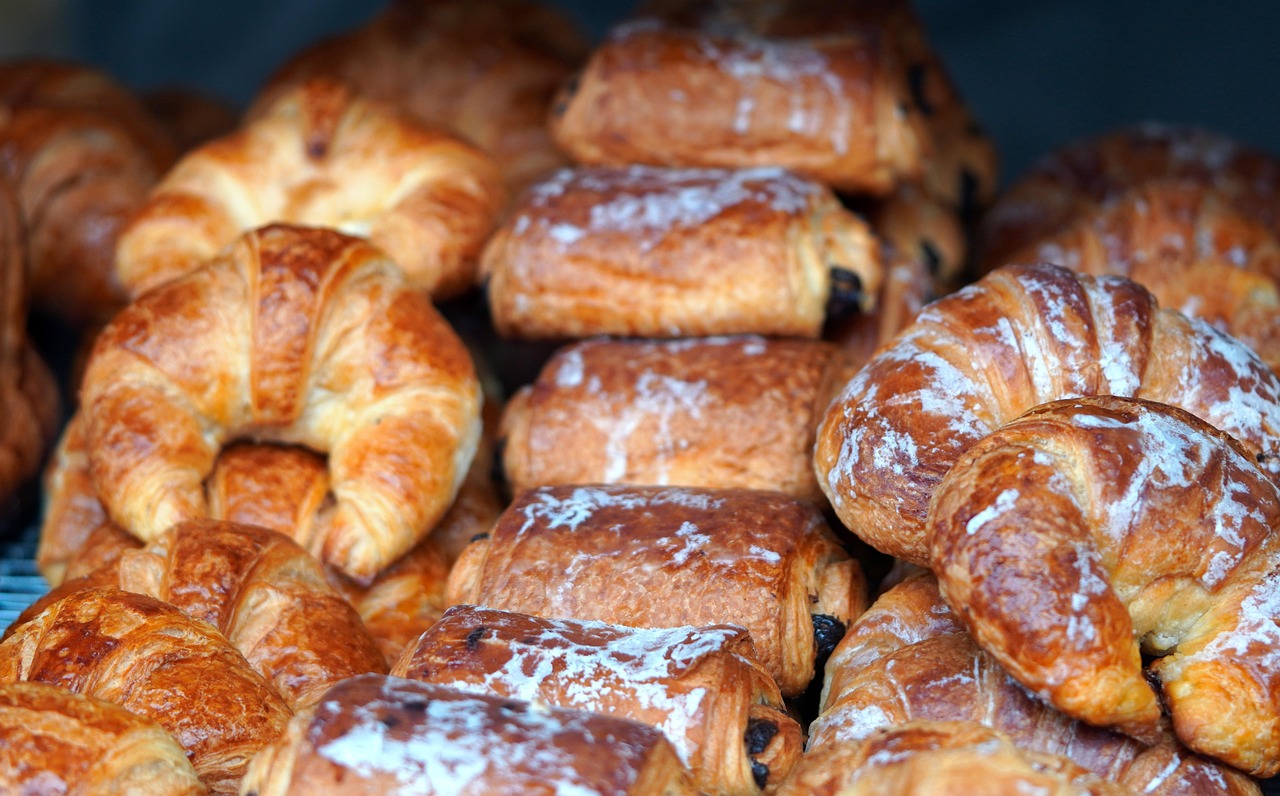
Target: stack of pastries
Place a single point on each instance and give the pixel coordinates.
(787, 509)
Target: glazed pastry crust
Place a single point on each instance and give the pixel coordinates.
(374, 734)
(322, 156)
(695, 251)
(1078, 501)
(700, 686)
(908, 658)
(718, 412)
(296, 335)
(689, 557)
(152, 659)
(1022, 336)
(52, 740)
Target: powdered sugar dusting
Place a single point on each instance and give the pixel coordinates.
(1001, 505)
(570, 512)
(1256, 635)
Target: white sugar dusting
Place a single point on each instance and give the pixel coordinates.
(1005, 501)
(569, 373)
(570, 512)
(1256, 635)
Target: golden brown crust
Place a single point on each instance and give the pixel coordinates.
(908, 659)
(729, 92)
(55, 741)
(373, 734)
(980, 357)
(716, 412)
(81, 153)
(153, 660)
(945, 758)
(700, 686)
(321, 156)
(694, 251)
(1190, 246)
(1122, 526)
(689, 557)
(298, 335)
(1082, 174)
(921, 228)
(485, 71)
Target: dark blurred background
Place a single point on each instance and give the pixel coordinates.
(1038, 74)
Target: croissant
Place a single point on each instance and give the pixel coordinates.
(152, 659)
(485, 71)
(81, 153)
(689, 556)
(694, 251)
(321, 156)
(29, 402)
(54, 741)
(1122, 526)
(378, 734)
(701, 687)
(1073, 180)
(940, 758)
(729, 91)
(716, 412)
(1187, 244)
(298, 335)
(1019, 337)
(909, 659)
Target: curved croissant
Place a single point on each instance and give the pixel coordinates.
(1020, 337)
(908, 658)
(1123, 527)
(322, 156)
(1191, 247)
(298, 335)
(56, 741)
(152, 659)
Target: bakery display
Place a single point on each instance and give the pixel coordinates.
(1021, 336)
(378, 734)
(695, 251)
(300, 335)
(709, 412)
(321, 156)
(700, 686)
(670, 556)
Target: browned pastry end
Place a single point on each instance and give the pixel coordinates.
(657, 252)
(296, 335)
(906, 289)
(1090, 531)
(688, 556)
(378, 734)
(908, 658)
(55, 741)
(322, 156)
(1073, 180)
(1020, 337)
(715, 412)
(832, 106)
(940, 758)
(81, 153)
(1191, 247)
(152, 659)
(700, 686)
(485, 70)
(189, 115)
(30, 407)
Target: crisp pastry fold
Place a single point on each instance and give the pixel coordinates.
(379, 734)
(1021, 336)
(655, 252)
(908, 658)
(297, 335)
(321, 156)
(1091, 531)
(700, 686)
(81, 153)
(154, 660)
(672, 556)
(714, 412)
(56, 741)
(940, 758)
